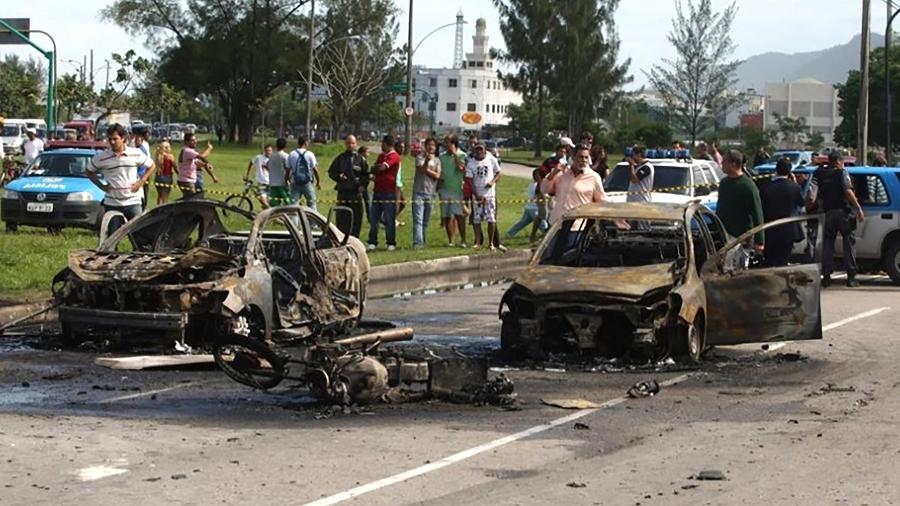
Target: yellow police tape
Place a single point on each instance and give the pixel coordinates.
(248, 194)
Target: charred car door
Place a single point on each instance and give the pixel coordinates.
(338, 264)
(752, 305)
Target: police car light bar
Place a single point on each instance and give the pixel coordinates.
(678, 154)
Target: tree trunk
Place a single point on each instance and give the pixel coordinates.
(244, 120)
(539, 135)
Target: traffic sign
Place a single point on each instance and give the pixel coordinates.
(397, 87)
(22, 25)
(409, 111)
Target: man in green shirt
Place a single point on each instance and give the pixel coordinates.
(739, 206)
(450, 189)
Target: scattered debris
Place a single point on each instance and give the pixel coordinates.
(647, 388)
(582, 426)
(831, 388)
(26, 384)
(753, 392)
(790, 357)
(689, 486)
(710, 475)
(155, 478)
(570, 403)
(152, 361)
(574, 484)
(61, 376)
(178, 476)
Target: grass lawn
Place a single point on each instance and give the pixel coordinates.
(30, 258)
(524, 156)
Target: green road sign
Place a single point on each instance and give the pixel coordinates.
(21, 25)
(397, 87)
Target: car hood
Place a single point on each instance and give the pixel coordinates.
(53, 184)
(98, 266)
(632, 282)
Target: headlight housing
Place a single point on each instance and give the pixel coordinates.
(10, 194)
(80, 197)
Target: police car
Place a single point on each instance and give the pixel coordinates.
(53, 192)
(677, 178)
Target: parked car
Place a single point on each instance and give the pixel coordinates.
(195, 269)
(54, 192)
(670, 282)
(797, 158)
(878, 236)
(491, 147)
(675, 180)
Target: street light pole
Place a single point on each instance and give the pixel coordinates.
(309, 68)
(888, 114)
(409, 86)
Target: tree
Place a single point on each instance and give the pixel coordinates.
(73, 95)
(20, 87)
(527, 27)
(815, 141)
(848, 106)
(755, 138)
(593, 78)
(234, 50)
(793, 131)
(155, 98)
(694, 86)
(117, 94)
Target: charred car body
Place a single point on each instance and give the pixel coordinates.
(610, 277)
(196, 269)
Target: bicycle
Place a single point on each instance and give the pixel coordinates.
(243, 201)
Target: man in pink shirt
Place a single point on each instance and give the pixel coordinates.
(190, 162)
(576, 186)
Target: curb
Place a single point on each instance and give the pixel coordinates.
(10, 313)
(452, 272)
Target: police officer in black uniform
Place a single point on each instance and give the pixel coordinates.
(832, 192)
(350, 172)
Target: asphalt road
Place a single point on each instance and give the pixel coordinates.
(818, 430)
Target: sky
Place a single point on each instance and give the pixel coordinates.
(760, 26)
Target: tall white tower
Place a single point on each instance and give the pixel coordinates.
(458, 48)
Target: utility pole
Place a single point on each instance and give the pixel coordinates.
(863, 139)
(309, 68)
(409, 85)
(92, 69)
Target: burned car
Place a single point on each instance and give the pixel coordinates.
(612, 278)
(196, 269)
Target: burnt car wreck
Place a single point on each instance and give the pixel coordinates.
(195, 270)
(612, 279)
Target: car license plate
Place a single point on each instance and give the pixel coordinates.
(39, 207)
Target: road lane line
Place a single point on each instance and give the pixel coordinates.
(832, 326)
(142, 394)
(471, 452)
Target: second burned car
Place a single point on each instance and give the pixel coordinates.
(610, 278)
(196, 269)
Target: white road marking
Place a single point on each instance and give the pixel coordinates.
(471, 452)
(142, 394)
(832, 326)
(98, 472)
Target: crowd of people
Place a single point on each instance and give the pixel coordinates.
(464, 184)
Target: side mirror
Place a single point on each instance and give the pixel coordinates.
(333, 212)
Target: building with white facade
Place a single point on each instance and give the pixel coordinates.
(469, 96)
(806, 98)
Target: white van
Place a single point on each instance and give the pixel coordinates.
(13, 135)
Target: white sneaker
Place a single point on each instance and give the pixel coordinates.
(463, 245)
(371, 247)
(391, 247)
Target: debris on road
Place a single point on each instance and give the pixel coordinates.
(790, 357)
(570, 403)
(575, 484)
(710, 475)
(140, 362)
(581, 426)
(647, 388)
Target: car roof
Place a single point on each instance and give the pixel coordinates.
(630, 210)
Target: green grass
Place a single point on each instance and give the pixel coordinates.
(524, 156)
(30, 258)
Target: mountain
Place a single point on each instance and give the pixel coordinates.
(828, 65)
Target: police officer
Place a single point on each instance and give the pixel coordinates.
(832, 192)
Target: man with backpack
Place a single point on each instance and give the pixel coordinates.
(304, 167)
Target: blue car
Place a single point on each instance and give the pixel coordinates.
(54, 192)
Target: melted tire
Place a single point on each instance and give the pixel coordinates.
(246, 365)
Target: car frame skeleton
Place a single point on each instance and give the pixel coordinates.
(609, 277)
(177, 273)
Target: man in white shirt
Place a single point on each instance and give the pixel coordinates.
(261, 163)
(32, 147)
(119, 166)
(483, 171)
